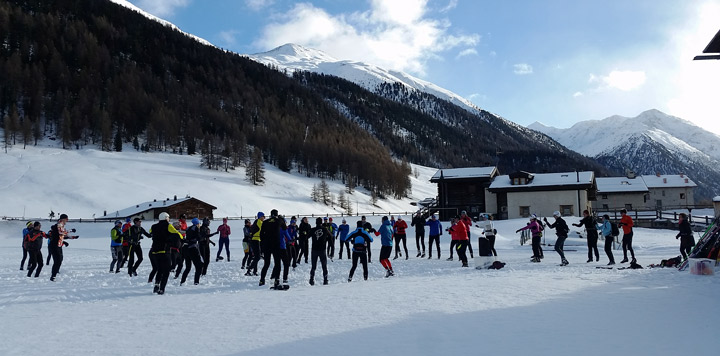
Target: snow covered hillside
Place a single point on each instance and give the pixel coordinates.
(290, 57)
(86, 183)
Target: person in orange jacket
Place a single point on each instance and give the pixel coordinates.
(626, 222)
(459, 233)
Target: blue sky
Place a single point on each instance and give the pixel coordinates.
(553, 61)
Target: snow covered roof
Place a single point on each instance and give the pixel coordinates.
(717, 198)
(668, 181)
(143, 207)
(546, 181)
(620, 185)
(465, 173)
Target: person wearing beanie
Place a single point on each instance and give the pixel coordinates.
(292, 242)
(247, 236)
(135, 234)
(626, 223)
(419, 223)
(126, 242)
(369, 228)
(332, 228)
(319, 236)
(459, 233)
(359, 237)
(467, 220)
(400, 236)
(117, 237)
(536, 229)
(343, 231)
(434, 235)
(191, 252)
(57, 240)
(303, 239)
(34, 248)
(205, 243)
(255, 229)
(28, 227)
(271, 236)
(223, 240)
(606, 230)
(561, 230)
(592, 236)
(386, 240)
(687, 241)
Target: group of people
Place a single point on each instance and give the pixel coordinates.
(607, 228)
(33, 236)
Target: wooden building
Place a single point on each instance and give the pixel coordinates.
(463, 189)
(191, 207)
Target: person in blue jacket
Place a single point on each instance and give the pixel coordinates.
(116, 246)
(435, 232)
(606, 230)
(26, 230)
(359, 237)
(292, 243)
(342, 231)
(386, 239)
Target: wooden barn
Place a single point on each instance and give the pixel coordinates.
(463, 189)
(191, 207)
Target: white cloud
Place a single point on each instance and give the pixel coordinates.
(161, 8)
(395, 34)
(577, 94)
(257, 5)
(467, 52)
(477, 98)
(451, 5)
(522, 69)
(624, 80)
(493, 54)
(228, 38)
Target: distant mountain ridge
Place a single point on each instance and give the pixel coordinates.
(652, 142)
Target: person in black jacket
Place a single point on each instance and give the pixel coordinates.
(419, 223)
(687, 241)
(303, 238)
(270, 235)
(204, 243)
(320, 237)
(162, 233)
(561, 230)
(136, 233)
(191, 252)
(592, 235)
(57, 240)
(34, 240)
(369, 228)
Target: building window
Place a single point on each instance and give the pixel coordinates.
(519, 181)
(682, 195)
(628, 207)
(606, 207)
(566, 210)
(604, 196)
(663, 193)
(524, 211)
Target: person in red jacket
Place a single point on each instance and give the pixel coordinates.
(459, 233)
(224, 240)
(467, 220)
(400, 236)
(626, 222)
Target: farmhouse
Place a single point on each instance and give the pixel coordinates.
(615, 193)
(464, 189)
(192, 207)
(669, 191)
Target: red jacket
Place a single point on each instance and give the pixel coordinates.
(400, 227)
(224, 230)
(459, 231)
(627, 223)
(467, 221)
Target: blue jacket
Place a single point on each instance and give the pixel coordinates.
(343, 231)
(292, 231)
(435, 227)
(361, 238)
(25, 232)
(605, 227)
(386, 233)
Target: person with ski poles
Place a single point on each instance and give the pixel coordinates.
(592, 236)
(343, 231)
(205, 243)
(359, 237)
(319, 236)
(434, 235)
(687, 241)
(255, 247)
(400, 228)
(536, 230)
(561, 230)
(34, 244)
(605, 228)
(303, 239)
(247, 236)
(135, 234)
(419, 223)
(223, 240)
(162, 238)
(27, 229)
(626, 222)
(57, 240)
(459, 233)
(386, 241)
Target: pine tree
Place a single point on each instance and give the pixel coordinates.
(314, 193)
(349, 183)
(117, 142)
(341, 200)
(255, 171)
(324, 192)
(348, 206)
(373, 197)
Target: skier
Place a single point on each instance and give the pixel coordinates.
(304, 231)
(255, 229)
(136, 233)
(386, 240)
(272, 239)
(57, 241)
(162, 233)
(400, 236)
(205, 243)
(536, 230)
(247, 236)
(343, 231)
(687, 241)
(319, 236)
(291, 244)
(465, 218)
(224, 240)
(191, 251)
(626, 222)
(606, 230)
(489, 232)
(34, 240)
(434, 235)
(561, 230)
(117, 237)
(419, 223)
(591, 228)
(368, 227)
(359, 238)
(459, 233)
(27, 229)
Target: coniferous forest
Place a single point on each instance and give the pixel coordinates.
(91, 73)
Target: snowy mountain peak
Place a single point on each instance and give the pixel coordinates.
(298, 52)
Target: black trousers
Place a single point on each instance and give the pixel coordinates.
(420, 240)
(191, 255)
(135, 250)
(400, 238)
(303, 250)
(162, 262)
(255, 248)
(592, 239)
(154, 267)
(323, 262)
(25, 255)
(117, 257)
(362, 256)
(462, 246)
(435, 238)
(560, 247)
(686, 245)
(537, 249)
(491, 239)
(292, 255)
(345, 244)
(608, 248)
(36, 260)
(331, 247)
(57, 255)
(47, 263)
(453, 244)
(276, 258)
(126, 254)
(627, 245)
(285, 256)
(176, 260)
(205, 253)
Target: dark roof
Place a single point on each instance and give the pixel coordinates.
(464, 173)
(712, 47)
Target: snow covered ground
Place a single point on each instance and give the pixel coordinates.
(431, 307)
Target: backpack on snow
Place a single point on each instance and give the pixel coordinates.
(615, 229)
